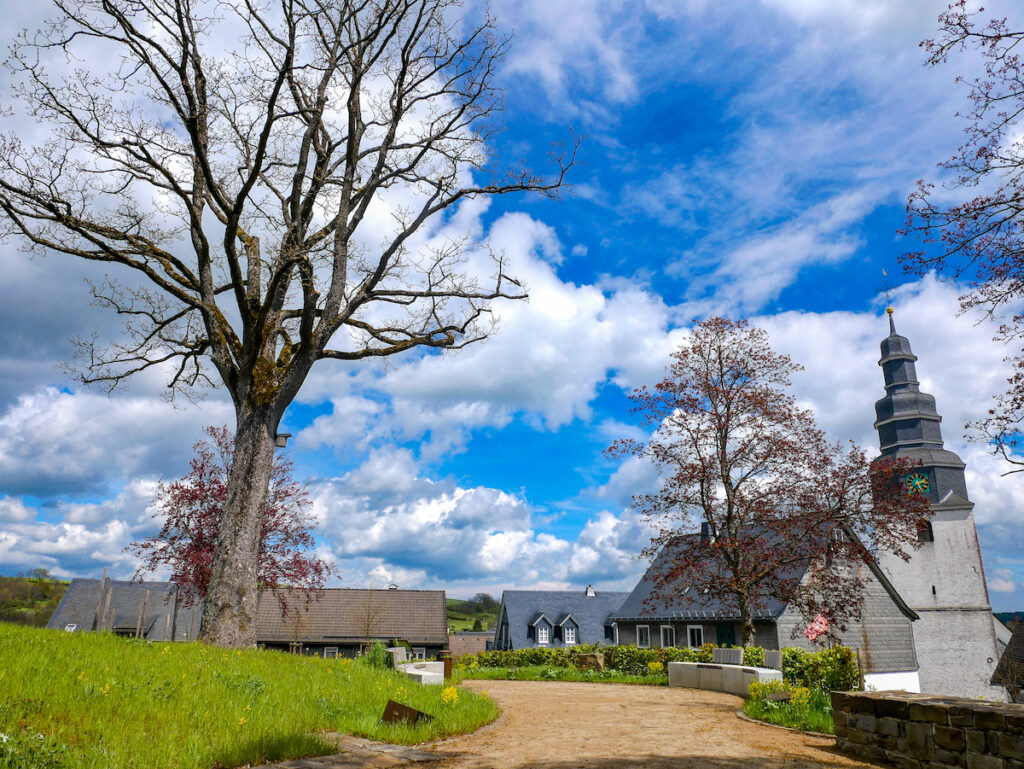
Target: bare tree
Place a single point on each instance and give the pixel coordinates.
(238, 157)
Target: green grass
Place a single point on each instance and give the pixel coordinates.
(29, 601)
(550, 673)
(811, 714)
(102, 702)
(463, 614)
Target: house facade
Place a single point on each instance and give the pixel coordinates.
(340, 623)
(689, 617)
(555, 618)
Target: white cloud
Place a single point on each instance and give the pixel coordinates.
(54, 442)
(1002, 581)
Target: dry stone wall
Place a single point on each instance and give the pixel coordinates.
(921, 731)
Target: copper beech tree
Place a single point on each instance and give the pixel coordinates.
(785, 512)
(277, 183)
(981, 239)
(193, 508)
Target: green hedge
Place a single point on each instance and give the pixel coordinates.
(828, 670)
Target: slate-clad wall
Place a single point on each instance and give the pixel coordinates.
(920, 731)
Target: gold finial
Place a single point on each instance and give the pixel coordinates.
(889, 310)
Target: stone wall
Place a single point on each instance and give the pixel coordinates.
(922, 731)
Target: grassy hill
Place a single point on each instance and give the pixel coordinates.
(96, 701)
(463, 614)
(28, 601)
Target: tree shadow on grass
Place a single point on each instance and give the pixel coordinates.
(272, 749)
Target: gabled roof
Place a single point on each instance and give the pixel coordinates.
(567, 618)
(1010, 670)
(537, 619)
(342, 615)
(350, 615)
(590, 613)
(645, 602)
(685, 603)
(120, 605)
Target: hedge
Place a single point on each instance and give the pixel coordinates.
(829, 670)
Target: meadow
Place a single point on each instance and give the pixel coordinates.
(96, 701)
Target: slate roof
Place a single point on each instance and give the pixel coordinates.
(689, 603)
(350, 615)
(646, 603)
(1010, 670)
(78, 608)
(590, 612)
(342, 615)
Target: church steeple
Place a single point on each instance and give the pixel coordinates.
(908, 423)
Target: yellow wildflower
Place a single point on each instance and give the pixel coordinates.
(450, 695)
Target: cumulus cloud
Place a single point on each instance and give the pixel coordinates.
(57, 442)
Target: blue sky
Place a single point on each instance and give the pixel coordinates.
(746, 158)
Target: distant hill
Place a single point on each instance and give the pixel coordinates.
(28, 600)
(1009, 618)
(463, 614)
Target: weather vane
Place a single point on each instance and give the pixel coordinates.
(888, 292)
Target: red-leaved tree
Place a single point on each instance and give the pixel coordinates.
(193, 508)
(786, 512)
(981, 239)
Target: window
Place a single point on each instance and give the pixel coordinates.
(71, 627)
(419, 653)
(570, 634)
(330, 652)
(695, 635)
(668, 636)
(643, 636)
(543, 634)
(924, 532)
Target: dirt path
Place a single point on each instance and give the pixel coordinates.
(559, 725)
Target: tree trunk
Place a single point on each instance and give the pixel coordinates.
(229, 609)
(746, 619)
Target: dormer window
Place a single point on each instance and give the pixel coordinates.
(543, 634)
(570, 634)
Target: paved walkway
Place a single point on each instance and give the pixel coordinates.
(562, 725)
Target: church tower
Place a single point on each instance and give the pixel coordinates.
(944, 581)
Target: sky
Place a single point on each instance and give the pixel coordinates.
(750, 159)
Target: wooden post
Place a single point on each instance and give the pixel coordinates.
(145, 611)
(192, 626)
(99, 600)
(174, 624)
(167, 630)
(860, 666)
(106, 611)
(138, 622)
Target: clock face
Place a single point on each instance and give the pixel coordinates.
(917, 483)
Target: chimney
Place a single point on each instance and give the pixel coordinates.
(392, 586)
(590, 591)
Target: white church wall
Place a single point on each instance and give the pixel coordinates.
(907, 681)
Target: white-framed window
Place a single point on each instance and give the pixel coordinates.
(695, 635)
(643, 636)
(330, 652)
(570, 634)
(543, 634)
(71, 627)
(668, 636)
(419, 653)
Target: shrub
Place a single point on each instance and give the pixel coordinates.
(828, 670)
(377, 656)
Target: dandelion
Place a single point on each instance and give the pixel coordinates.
(241, 721)
(450, 695)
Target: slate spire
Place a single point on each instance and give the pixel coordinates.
(908, 422)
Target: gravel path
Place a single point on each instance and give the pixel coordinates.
(561, 725)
